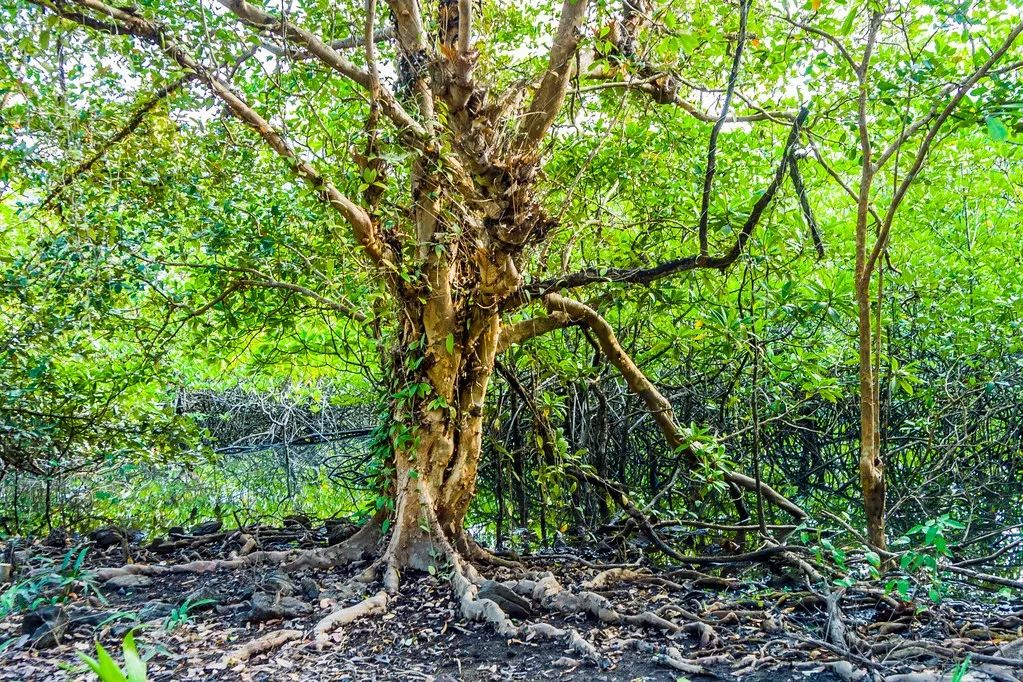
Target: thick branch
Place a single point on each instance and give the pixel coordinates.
(253, 16)
(121, 22)
(551, 94)
(658, 406)
(520, 332)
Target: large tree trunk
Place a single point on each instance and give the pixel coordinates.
(442, 367)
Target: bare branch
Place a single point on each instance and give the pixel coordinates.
(351, 42)
(712, 148)
(720, 262)
(651, 86)
(839, 45)
(464, 25)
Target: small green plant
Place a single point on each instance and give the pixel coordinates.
(182, 613)
(52, 586)
(960, 669)
(921, 559)
(107, 669)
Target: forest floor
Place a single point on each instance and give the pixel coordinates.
(767, 628)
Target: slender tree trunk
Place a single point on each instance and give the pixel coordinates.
(871, 464)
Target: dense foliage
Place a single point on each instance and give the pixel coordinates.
(154, 247)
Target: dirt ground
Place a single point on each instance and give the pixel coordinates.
(765, 631)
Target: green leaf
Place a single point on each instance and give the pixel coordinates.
(449, 344)
(997, 130)
(847, 25)
(134, 666)
(108, 668)
(873, 559)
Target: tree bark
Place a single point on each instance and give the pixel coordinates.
(871, 464)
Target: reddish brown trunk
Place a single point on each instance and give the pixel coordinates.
(871, 464)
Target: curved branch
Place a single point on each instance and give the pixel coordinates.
(925, 146)
(121, 22)
(520, 332)
(657, 405)
(655, 87)
(349, 43)
(257, 18)
(673, 267)
(712, 148)
(337, 306)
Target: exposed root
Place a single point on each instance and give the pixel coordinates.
(574, 642)
(370, 606)
(265, 643)
(474, 552)
(664, 655)
(547, 591)
(291, 560)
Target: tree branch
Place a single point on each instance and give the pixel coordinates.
(712, 148)
(133, 123)
(520, 332)
(649, 85)
(925, 145)
(379, 36)
(657, 405)
(121, 22)
(668, 268)
(551, 94)
(257, 18)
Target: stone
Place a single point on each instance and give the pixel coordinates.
(45, 626)
(208, 528)
(277, 583)
(511, 603)
(123, 583)
(268, 607)
(157, 610)
(58, 538)
(310, 590)
(106, 537)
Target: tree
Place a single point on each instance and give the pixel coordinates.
(922, 118)
(446, 146)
